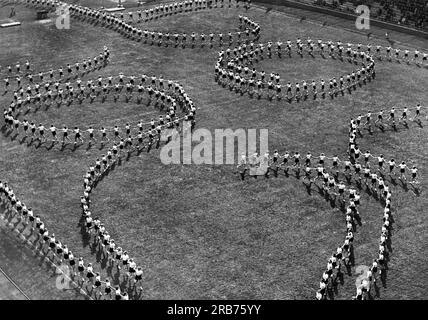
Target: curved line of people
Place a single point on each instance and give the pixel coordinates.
(87, 277)
(93, 226)
(105, 244)
(331, 172)
(368, 283)
(233, 69)
(21, 76)
(168, 9)
(170, 95)
(340, 186)
(249, 28)
(374, 180)
(47, 244)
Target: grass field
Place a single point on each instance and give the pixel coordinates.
(198, 231)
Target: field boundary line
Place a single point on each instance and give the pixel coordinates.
(31, 246)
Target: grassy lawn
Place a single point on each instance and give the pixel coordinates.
(198, 231)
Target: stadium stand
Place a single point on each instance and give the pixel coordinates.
(411, 13)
